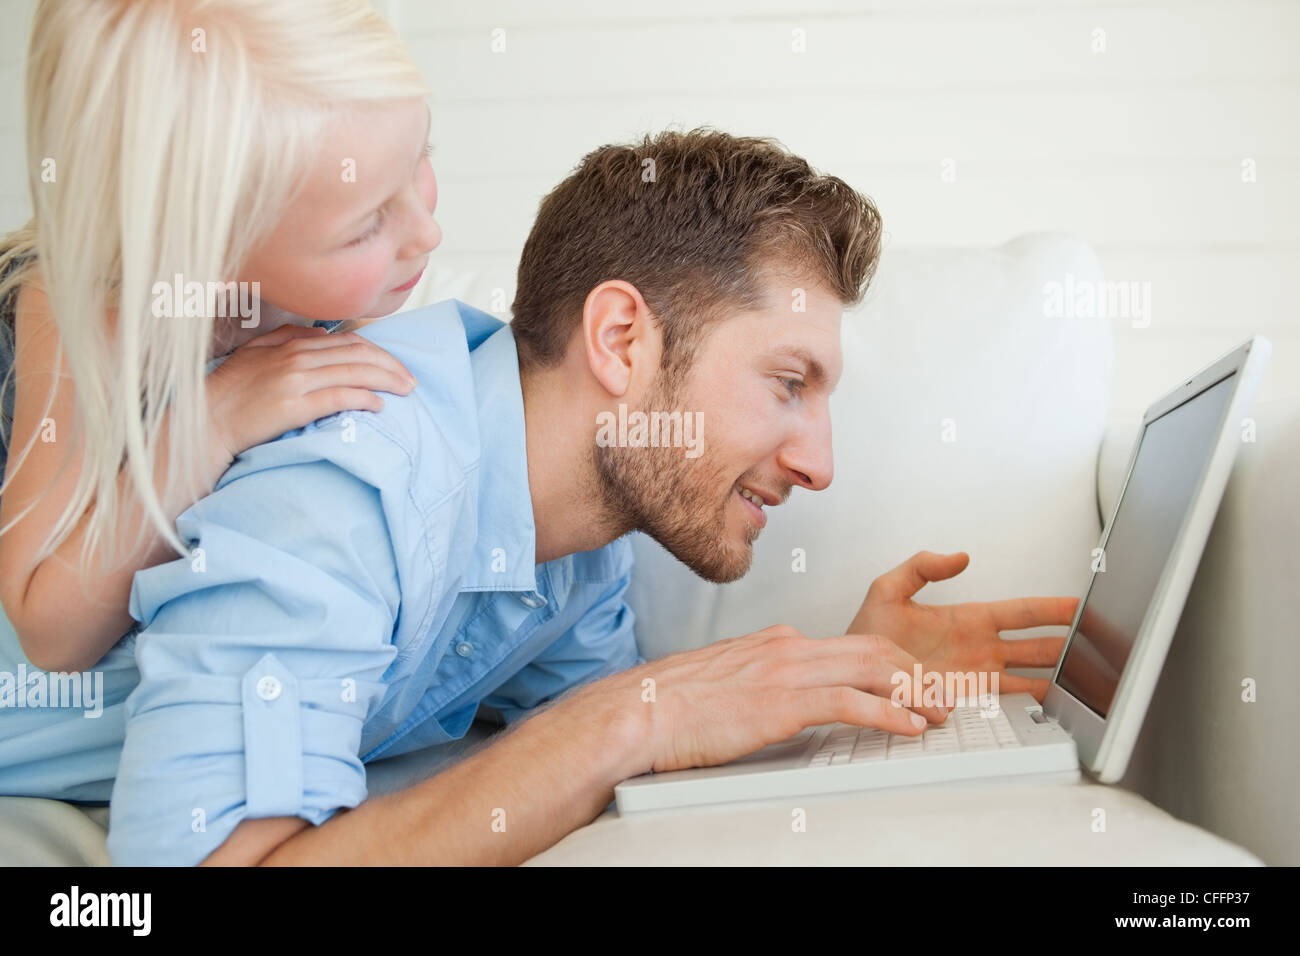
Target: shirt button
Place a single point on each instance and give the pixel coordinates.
(464, 648)
(533, 600)
(268, 688)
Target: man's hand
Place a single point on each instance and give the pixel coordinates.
(709, 706)
(962, 637)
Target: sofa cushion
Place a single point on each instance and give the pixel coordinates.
(975, 823)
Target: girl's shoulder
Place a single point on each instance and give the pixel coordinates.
(8, 346)
(9, 304)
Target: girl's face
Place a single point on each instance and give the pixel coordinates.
(357, 238)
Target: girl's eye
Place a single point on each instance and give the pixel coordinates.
(792, 385)
(428, 149)
(371, 232)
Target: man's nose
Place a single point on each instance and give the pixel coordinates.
(807, 457)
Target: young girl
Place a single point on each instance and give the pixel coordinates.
(279, 146)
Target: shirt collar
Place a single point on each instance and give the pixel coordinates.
(505, 550)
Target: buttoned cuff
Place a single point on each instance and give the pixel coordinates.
(203, 755)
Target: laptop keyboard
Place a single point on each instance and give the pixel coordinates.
(966, 729)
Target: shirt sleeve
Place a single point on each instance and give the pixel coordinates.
(601, 643)
(261, 655)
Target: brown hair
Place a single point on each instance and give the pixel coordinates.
(690, 219)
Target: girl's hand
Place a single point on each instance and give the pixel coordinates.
(293, 375)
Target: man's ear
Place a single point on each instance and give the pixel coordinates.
(619, 337)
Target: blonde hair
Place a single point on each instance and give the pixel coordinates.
(177, 132)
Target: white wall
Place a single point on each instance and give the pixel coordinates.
(1139, 149)
(15, 206)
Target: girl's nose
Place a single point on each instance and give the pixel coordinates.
(424, 233)
(427, 234)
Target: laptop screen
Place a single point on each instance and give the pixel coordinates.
(1173, 454)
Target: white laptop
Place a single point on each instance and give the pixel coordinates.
(1107, 672)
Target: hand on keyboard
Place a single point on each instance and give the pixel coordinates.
(967, 728)
(712, 705)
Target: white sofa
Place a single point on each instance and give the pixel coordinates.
(962, 338)
(957, 344)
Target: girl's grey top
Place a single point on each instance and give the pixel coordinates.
(7, 308)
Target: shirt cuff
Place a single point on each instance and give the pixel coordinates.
(266, 744)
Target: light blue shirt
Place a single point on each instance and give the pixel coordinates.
(356, 590)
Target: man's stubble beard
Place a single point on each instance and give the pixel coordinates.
(674, 499)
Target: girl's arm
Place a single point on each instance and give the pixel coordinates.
(283, 380)
(64, 622)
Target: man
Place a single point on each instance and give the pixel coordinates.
(362, 587)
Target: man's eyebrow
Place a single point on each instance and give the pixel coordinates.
(816, 375)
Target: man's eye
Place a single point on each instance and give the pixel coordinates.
(792, 385)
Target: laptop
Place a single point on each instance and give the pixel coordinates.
(1107, 672)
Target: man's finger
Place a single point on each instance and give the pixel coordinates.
(1019, 613)
(915, 573)
(1033, 651)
